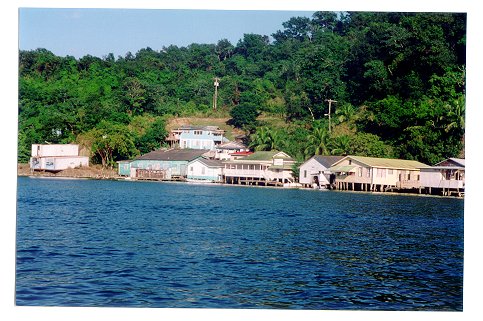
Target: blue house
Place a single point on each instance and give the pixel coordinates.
(197, 137)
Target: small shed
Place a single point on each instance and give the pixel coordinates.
(313, 172)
(207, 170)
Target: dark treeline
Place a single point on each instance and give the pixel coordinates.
(398, 79)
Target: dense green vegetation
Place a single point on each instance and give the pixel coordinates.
(398, 79)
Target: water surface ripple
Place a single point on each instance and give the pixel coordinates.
(140, 244)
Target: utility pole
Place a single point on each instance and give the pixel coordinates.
(215, 96)
(330, 105)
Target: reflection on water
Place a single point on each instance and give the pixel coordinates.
(110, 243)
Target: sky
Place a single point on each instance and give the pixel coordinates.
(98, 32)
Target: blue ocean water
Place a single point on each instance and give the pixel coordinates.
(176, 245)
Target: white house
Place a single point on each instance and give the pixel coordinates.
(313, 172)
(207, 170)
(446, 177)
(260, 168)
(56, 157)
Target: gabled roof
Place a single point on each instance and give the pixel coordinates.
(209, 162)
(385, 162)
(459, 162)
(173, 154)
(327, 161)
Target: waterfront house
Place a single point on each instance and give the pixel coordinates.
(196, 137)
(445, 177)
(376, 174)
(170, 164)
(260, 168)
(56, 157)
(224, 151)
(313, 172)
(205, 170)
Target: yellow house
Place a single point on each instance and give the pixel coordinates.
(376, 174)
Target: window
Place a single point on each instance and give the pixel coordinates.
(368, 173)
(350, 161)
(381, 172)
(390, 172)
(359, 171)
(191, 168)
(305, 173)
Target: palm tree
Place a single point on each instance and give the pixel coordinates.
(346, 113)
(340, 145)
(317, 142)
(456, 115)
(265, 139)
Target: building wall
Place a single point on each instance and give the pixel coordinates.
(385, 176)
(259, 171)
(361, 173)
(197, 170)
(196, 143)
(435, 178)
(124, 168)
(176, 168)
(40, 150)
(380, 176)
(309, 169)
(58, 163)
(199, 139)
(245, 170)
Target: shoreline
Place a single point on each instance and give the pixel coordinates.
(122, 178)
(99, 173)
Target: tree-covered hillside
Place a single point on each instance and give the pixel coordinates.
(398, 79)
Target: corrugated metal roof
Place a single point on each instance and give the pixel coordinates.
(327, 161)
(388, 162)
(173, 154)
